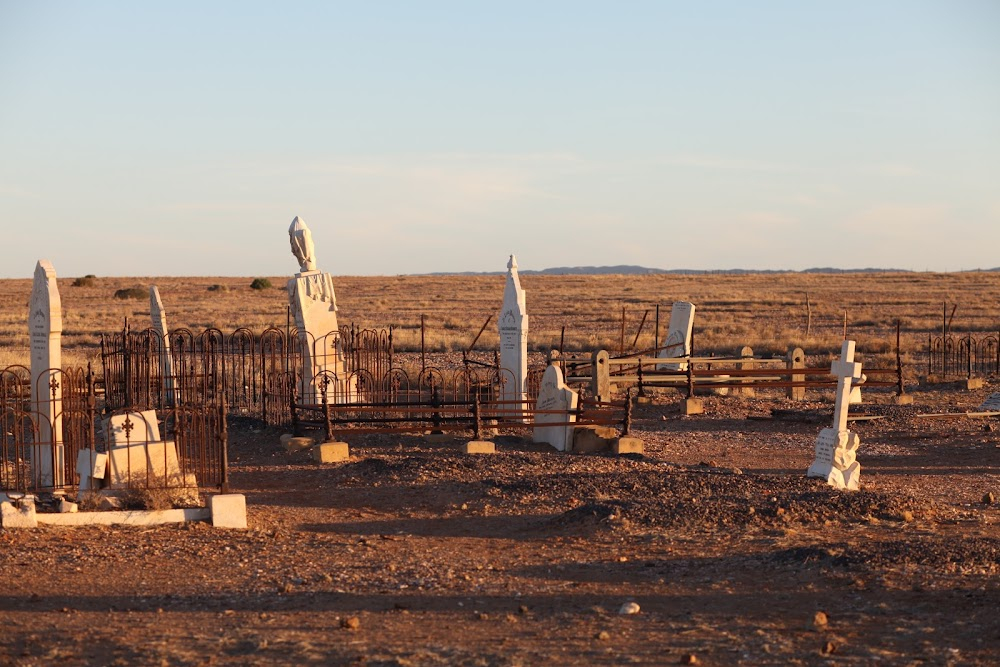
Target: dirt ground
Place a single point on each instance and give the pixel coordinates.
(414, 554)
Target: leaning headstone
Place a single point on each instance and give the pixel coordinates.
(513, 325)
(314, 307)
(600, 376)
(45, 329)
(836, 447)
(556, 403)
(678, 341)
(158, 318)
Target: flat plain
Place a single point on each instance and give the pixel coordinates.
(411, 553)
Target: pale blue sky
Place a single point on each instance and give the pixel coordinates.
(181, 138)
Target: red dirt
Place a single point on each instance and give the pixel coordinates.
(413, 554)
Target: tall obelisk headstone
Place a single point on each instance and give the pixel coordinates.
(45, 330)
(314, 306)
(513, 324)
(836, 447)
(158, 318)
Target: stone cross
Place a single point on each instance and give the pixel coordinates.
(845, 369)
(45, 330)
(836, 447)
(513, 326)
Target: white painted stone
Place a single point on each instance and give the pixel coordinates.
(91, 466)
(158, 318)
(836, 447)
(126, 517)
(45, 332)
(143, 427)
(314, 307)
(153, 463)
(991, 404)
(678, 340)
(228, 510)
(555, 396)
(18, 515)
(513, 327)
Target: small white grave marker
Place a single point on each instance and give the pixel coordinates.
(559, 400)
(45, 330)
(836, 447)
(678, 341)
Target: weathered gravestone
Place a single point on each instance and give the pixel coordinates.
(314, 307)
(678, 340)
(836, 447)
(45, 329)
(513, 325)
(158, 318)
(556, 403)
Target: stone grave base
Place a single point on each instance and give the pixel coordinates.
(479, 447)
(224, 511)
(692, 406)
(590, 438)
(627, 445)
(331, 452)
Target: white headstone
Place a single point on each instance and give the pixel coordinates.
(314, 306)
(559, 401)
(836, 447)
(678, 340)
(45, 330)
(132, 428)
(158, 318)
(513, 325)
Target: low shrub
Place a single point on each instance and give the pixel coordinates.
(219, 288)
(86, 281)
(131, 293)
(260, 283)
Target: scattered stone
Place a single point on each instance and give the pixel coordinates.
(350, 623)
(820, 620)
(988, 498)
(906, 516)
(522, 610)
(629, 608)
(603, 636)
(689, 659)
(829, 648)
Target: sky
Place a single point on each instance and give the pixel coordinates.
(181, 138)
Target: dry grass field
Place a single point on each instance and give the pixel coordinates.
(769, 312)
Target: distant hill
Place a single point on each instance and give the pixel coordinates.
(630, 269)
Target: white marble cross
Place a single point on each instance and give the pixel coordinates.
(846, 369)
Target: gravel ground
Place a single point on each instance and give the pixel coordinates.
(413, 554)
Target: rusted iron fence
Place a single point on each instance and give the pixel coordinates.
(41, 440)
(958, 356)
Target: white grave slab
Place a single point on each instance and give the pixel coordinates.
(141, 427)
(91, 466)
(555, 397)
(153, 463)
(45, 331)
(513, 326)
(678, 340)
(836, 447)
(314, 307)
